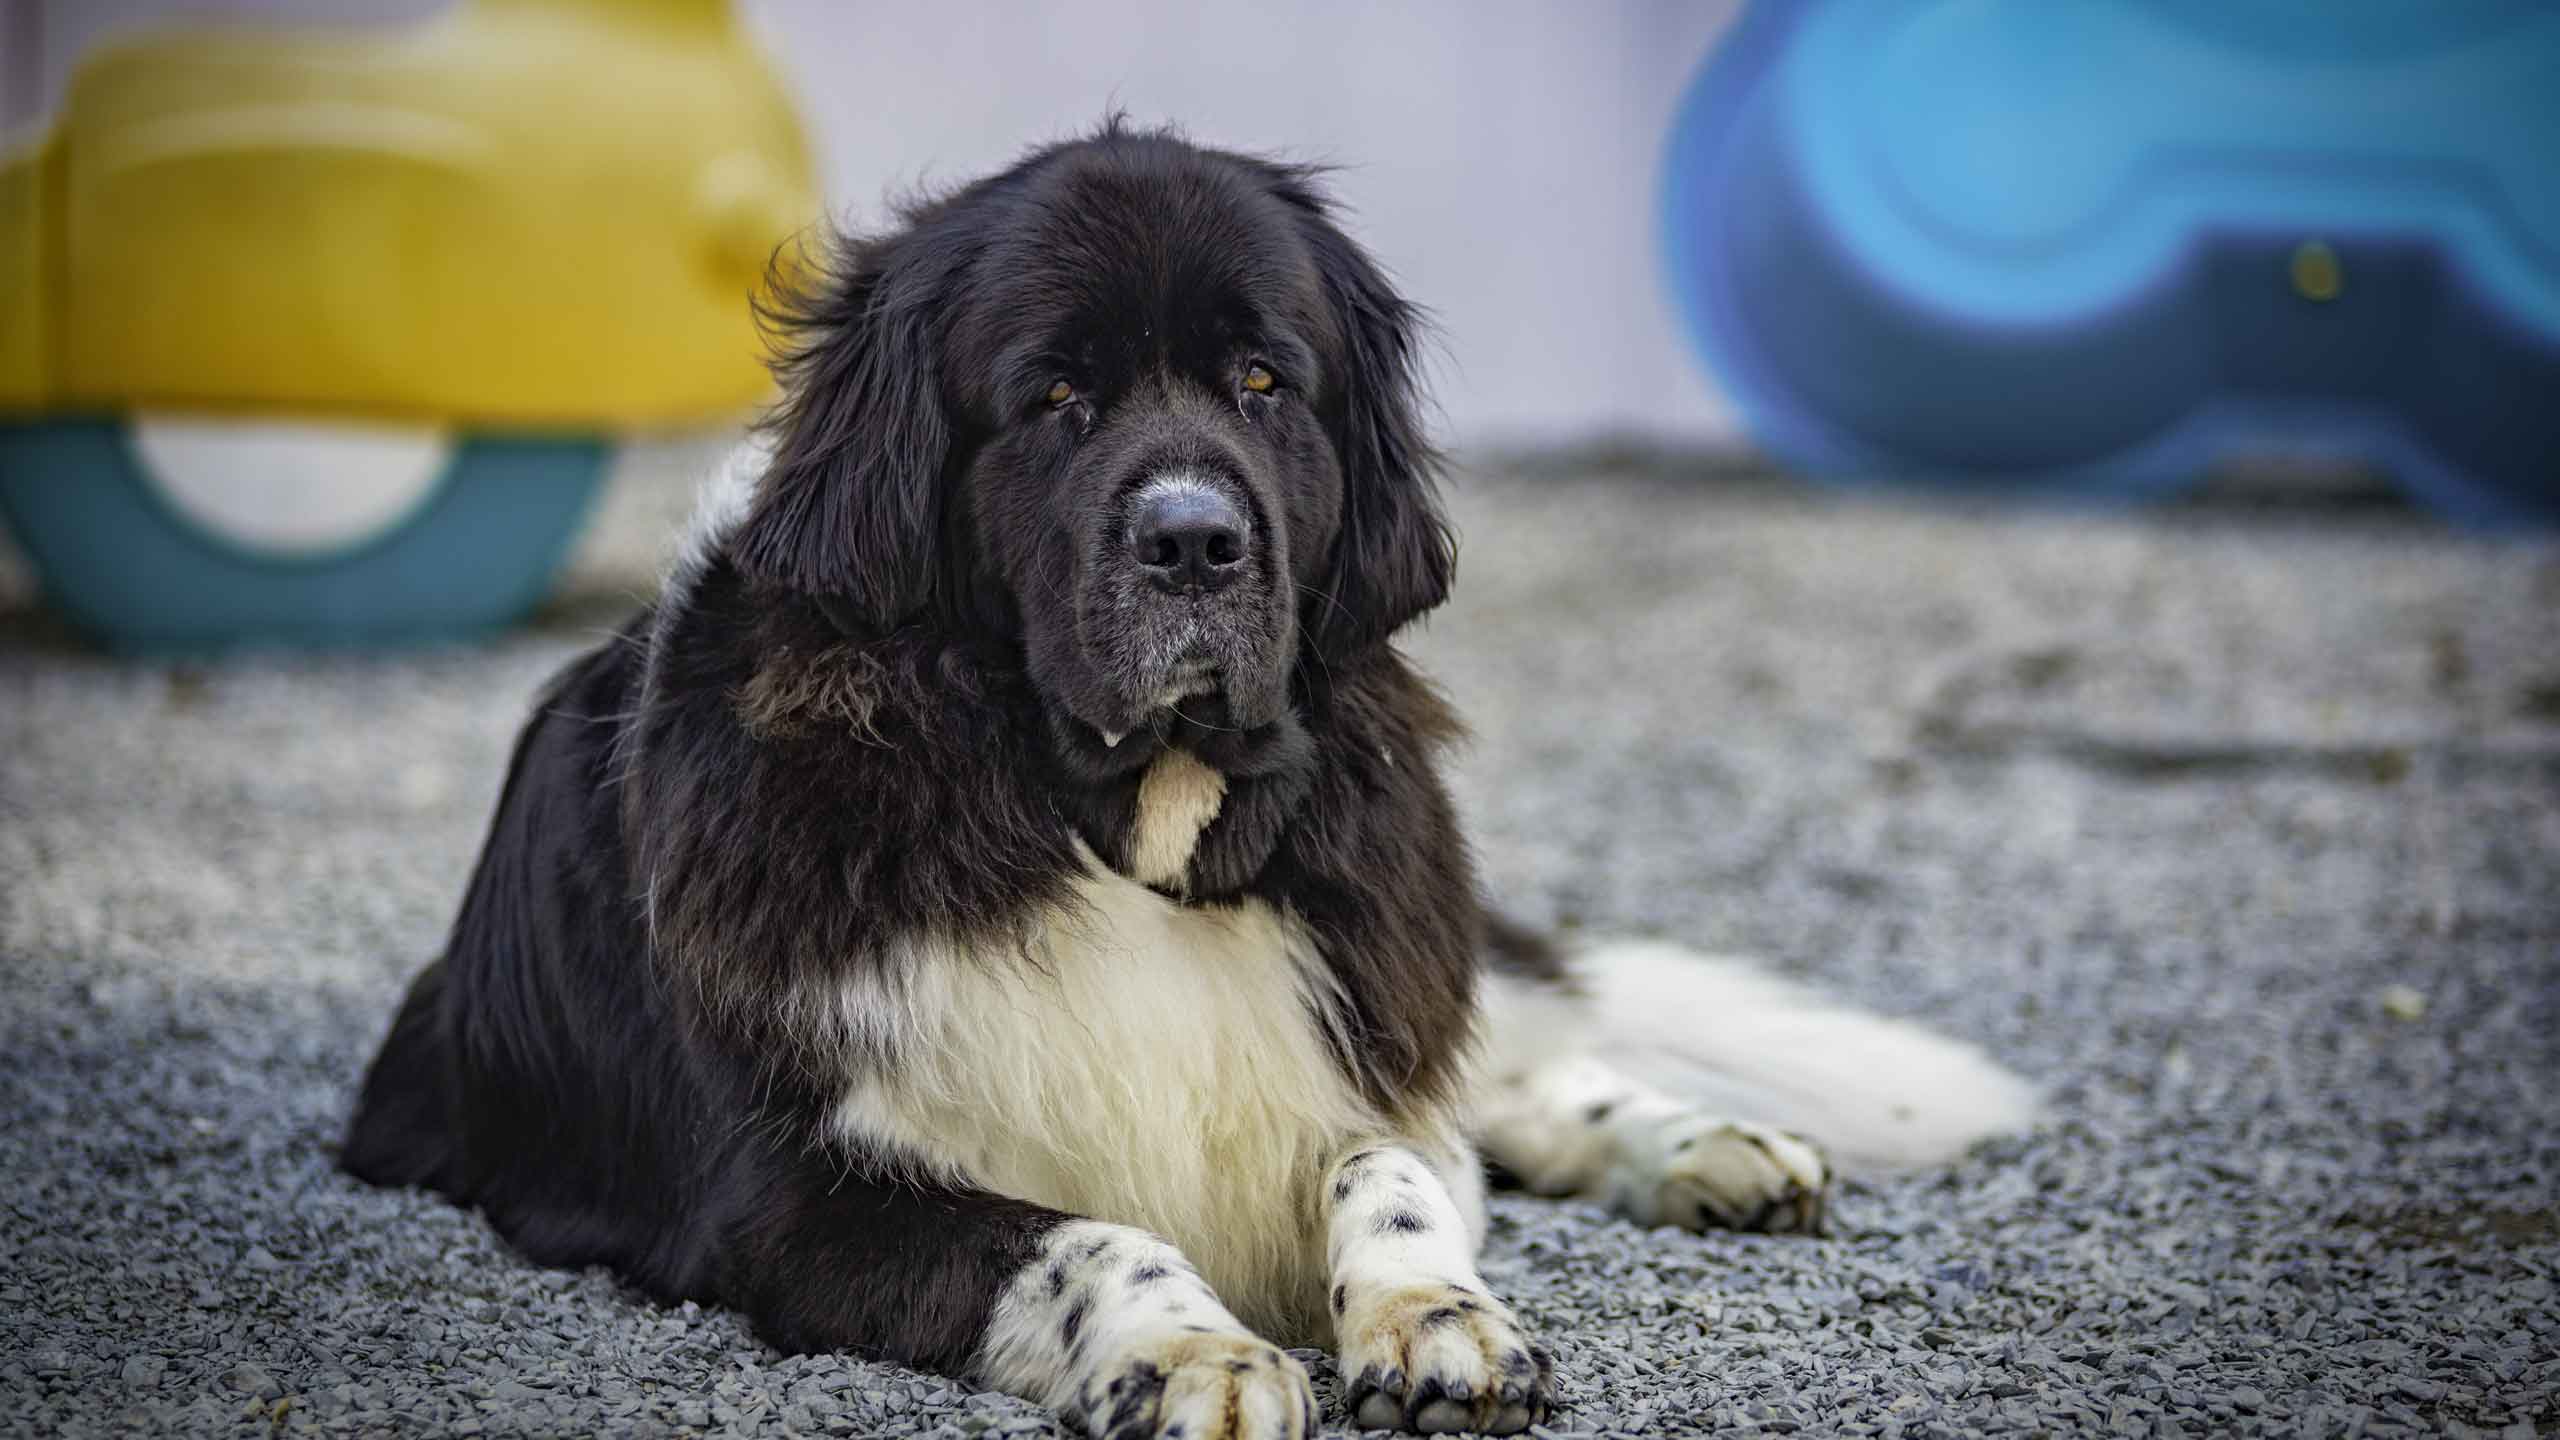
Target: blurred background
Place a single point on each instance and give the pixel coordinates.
(2032, 515)
(1501, 158)
(393, 275)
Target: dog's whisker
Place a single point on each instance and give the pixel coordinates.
(1307, 652)
(1203, 724)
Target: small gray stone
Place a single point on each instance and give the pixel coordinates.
(253, 1381)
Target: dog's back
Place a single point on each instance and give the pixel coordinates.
(532, 1070)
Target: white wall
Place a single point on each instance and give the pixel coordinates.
(1498, 155)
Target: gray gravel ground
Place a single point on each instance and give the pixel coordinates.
(2236, 826)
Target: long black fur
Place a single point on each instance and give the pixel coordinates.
(869, 714)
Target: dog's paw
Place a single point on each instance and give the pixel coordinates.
(1199, 1385)
(1437, 1358)
(1725, 1174)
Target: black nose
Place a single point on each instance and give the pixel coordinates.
(1189, 539)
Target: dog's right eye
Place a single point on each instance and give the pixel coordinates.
(1061, 395)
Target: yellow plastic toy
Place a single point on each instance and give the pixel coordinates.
(522, 211)
(525, 223)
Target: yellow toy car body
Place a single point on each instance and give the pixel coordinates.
(523, 213)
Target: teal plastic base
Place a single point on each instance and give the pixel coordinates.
(126, 567)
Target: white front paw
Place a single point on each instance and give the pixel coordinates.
(1198, 1384)
(1701, 1173)
(1435, 1357)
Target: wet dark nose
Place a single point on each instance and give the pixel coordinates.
(1189, 539)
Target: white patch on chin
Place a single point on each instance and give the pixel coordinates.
(1150, 1063)
(1177, 799)
(1191, 677)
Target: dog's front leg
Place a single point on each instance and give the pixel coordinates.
(1111, 1325)
(1423, 1344)
(1103, 1323)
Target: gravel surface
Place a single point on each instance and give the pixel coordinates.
(2237, 827)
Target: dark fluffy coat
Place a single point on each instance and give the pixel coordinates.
(883, 703)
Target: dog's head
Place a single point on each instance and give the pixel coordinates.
(1137, 406)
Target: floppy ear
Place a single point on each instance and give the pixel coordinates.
(848, 508)
(1393, 556)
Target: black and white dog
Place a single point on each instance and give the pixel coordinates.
(998, 911)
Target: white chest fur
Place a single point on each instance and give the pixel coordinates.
(1149, 1063)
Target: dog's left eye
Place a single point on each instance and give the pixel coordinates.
(1061, 395)
(1260, 380)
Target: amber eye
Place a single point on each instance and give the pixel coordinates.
(1260, 380)
(1061, 393)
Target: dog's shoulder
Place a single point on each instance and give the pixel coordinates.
(796, 800)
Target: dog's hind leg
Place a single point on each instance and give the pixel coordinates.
(1673, 1086)
(1562, 1121)
(1575, 1126)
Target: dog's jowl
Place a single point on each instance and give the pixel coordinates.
(998, 909)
